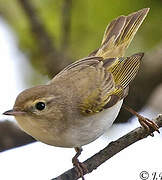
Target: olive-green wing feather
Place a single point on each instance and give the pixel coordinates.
(126, 69)
(113, 83)
(124, 72)
(100, 94)
(77, 66)
(92, 81)
(119, 34)
(100, 84)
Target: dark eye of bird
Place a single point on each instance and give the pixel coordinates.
(40, 106)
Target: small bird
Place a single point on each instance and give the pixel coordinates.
(82, 101)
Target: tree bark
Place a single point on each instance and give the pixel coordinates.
(11, 136)
(53, 60)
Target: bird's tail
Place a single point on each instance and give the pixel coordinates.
(119, 34)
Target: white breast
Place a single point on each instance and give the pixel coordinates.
(93, 126)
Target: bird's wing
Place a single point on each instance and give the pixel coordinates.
(124, 71)
(92, 81)
(77, 65)
(119, 34)
(113, 83)
(100, 84)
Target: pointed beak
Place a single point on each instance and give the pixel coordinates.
(13, 113)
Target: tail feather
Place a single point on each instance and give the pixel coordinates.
(119, 34)
(133, 22)
(114, 29)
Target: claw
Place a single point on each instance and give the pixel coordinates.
(80, 167)
(148, 124)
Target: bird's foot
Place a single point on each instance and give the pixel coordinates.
(80, 167)
(149, 125)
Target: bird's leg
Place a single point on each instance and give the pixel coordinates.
(79, 166)
(146, 123)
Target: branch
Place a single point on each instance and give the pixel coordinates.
(53, 59)
(11, 136)
(37, 26)
(113, 148)
(66, 23)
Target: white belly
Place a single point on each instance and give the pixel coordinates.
(93, 126)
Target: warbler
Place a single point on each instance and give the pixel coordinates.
(82, 101)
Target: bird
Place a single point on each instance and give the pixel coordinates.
(83, 100)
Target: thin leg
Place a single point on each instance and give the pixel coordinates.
(146, 123)
(79, 166)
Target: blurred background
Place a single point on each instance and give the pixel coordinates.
(39, 38)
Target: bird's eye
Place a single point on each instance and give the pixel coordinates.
(40, 106)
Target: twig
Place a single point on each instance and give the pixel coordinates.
(113, 148)
(66, 23)
(53, 59)
(37, 27)
(11, 136)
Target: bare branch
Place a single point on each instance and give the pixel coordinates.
(12, 136)
(113, 148)
(66, 23)
(54, 60)
(37, 26)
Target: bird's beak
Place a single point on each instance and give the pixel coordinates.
(13, 113)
